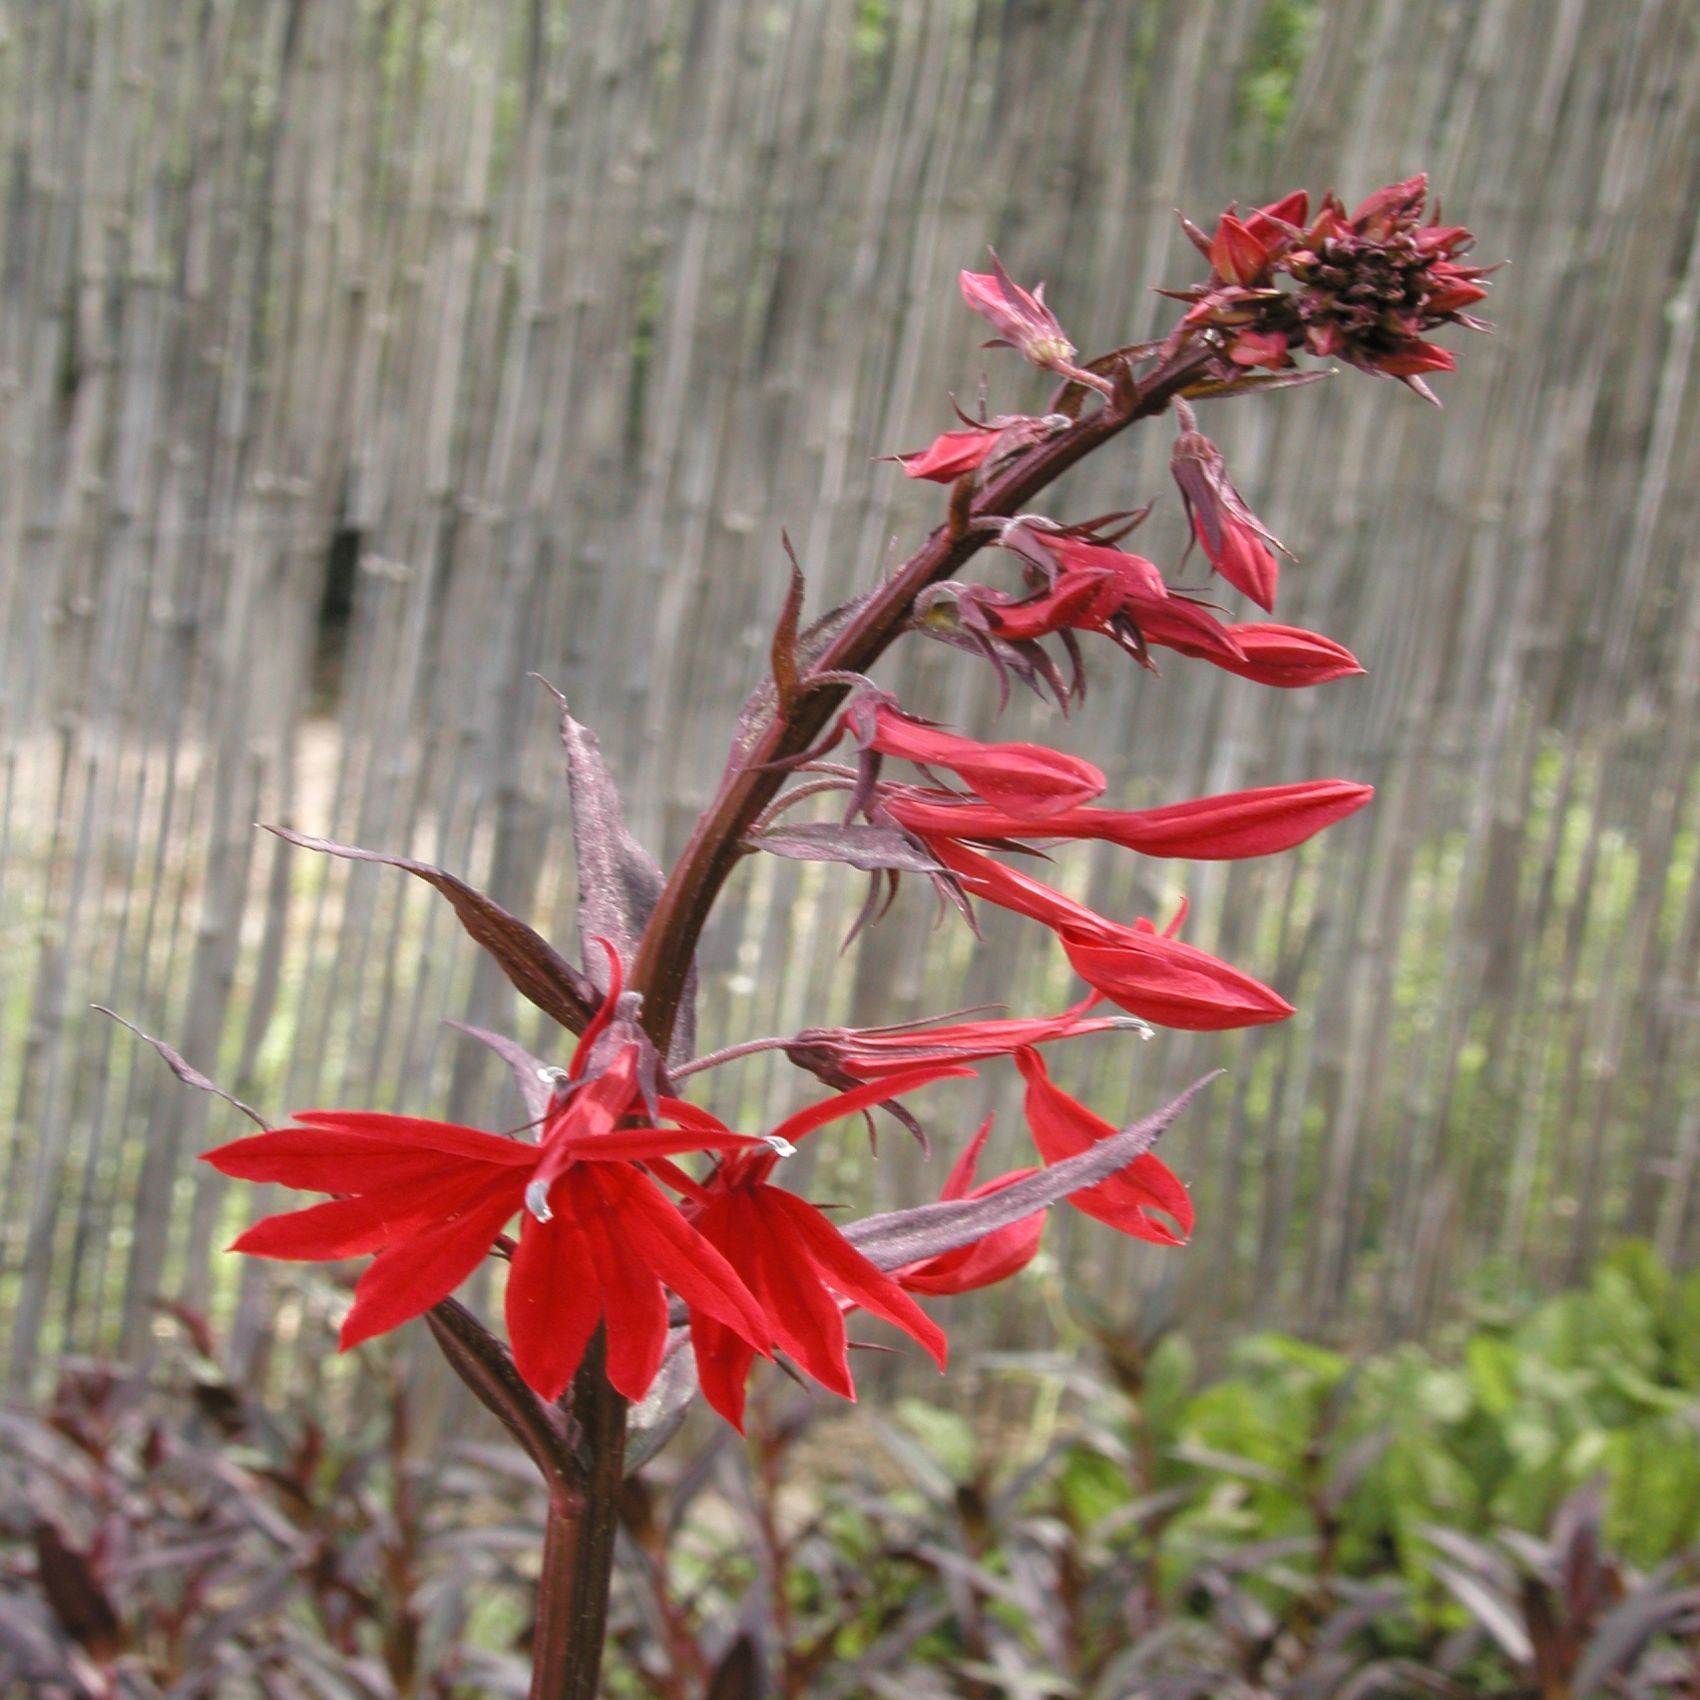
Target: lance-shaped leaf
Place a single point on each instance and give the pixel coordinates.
(186, 1071)
(619, 882)
(536, 970)
(869, 848)
(533, 1078)
(899, 1237)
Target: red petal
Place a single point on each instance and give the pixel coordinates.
(1173, 984)
(803, 1315)
(414, 1273)
(960, 1180)
(947, 457)
(723, 1367)
(633, 1304)
(829, 1110)
(681, 1257)
(553, 1302)
(354, 1227)
(852, 1274)
(328, 1156)
(1064, 1127)
(1027, 779)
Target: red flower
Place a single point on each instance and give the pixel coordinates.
(1063, 1127)
(876, 1053)
(1149, 974)
(795, 1261)
(1179, 623)
(1285, 656)
(1026, 779)
(1082, 601)
(1223, 828)
(1058, 555)
(1023, 322)
(950, 454)
(1002, 1253)
(1240, 547)
(1156, 977)
(600, 1239)
(954, 453)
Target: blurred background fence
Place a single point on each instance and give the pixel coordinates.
(359, 356)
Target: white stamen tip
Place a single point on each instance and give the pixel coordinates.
(537, 1201)
(548, 1072)
(779, 1147)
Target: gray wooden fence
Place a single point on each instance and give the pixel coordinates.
(359, 356)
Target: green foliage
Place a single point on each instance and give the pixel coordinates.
(1278, 53)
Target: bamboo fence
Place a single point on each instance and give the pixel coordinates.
(358, 357)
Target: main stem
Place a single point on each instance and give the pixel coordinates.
(578, 1544)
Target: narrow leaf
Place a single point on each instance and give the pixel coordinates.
(487, 1367)
(186, 1071)
(536, 970)
(530, 1074)
(899, 1237)
(619, 882)
(866, 847)
(1625, 1632)
(784, 652)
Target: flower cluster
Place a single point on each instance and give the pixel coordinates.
(646, 1216)
(1364, 288)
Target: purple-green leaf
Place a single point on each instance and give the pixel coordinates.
(869, 848)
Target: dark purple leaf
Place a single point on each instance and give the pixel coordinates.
(74, 1592)
(1491, 1610)
(1250, 383)
(487, 1367)
(866, 847)
(531, 1075)
(784, 652)
(536, 970)
(185, 1071)
(899, 1237)
(1624, 1633)
(738, 1675)
(1349, 1470)
(657, 1417)
(619, 882)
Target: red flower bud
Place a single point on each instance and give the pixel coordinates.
(1241, 548)
(1236, 824)
(1026, 779)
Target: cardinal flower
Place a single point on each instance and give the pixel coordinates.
(1149, 974)
(1026, 779)
(794, 1260)
(1023, 322)
(600, 1239)
(953, 453)
(1287, 657)
(1064, 1127)
(1228, 827)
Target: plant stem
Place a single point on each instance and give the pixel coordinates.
(670, 940)
(578, 1544)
